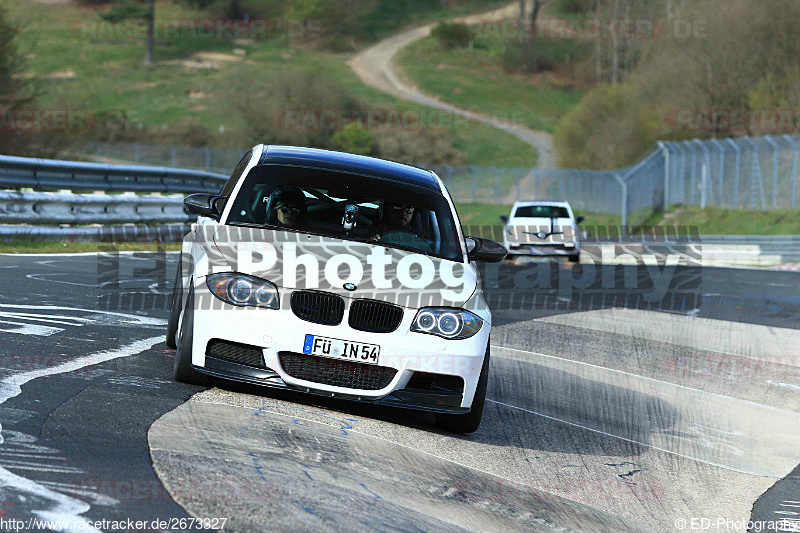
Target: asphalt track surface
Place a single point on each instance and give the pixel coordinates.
(600, 417)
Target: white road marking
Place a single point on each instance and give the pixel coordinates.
(63, 508)
(21, 320)
(784, 385)
(29, 329)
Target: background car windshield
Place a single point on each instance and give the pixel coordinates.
(543, 211)
(389, 213)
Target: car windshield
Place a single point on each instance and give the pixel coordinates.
(347, 206)
(541, 211)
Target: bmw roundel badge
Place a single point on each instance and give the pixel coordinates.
(350, 286)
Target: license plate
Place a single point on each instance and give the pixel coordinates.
(341, 349)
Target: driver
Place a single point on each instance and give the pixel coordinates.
(396, 217)
(289, 207)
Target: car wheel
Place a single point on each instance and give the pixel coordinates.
(575, 258)
(469, 422)
(182, 370)
(175, 309)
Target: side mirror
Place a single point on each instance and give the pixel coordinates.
(579, 219)
(203, 205)
(504, 219)
(484, 250)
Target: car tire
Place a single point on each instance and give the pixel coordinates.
(175, 310)
(182, 370)
(469, 422)
(575, 258)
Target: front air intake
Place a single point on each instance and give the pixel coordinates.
(318, 307)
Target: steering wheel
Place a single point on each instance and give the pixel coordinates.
(404, 238)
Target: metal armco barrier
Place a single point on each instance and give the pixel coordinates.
(62, 208)
(53, 174)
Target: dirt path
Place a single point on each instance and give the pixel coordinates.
(376, 67)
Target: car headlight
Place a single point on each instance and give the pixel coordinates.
(446, 323)
(241, 289)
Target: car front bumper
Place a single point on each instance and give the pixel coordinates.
(549, 249)
(279, 331)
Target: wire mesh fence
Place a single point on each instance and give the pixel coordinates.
(742, 173)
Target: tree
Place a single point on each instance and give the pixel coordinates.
(15, 90)
(136, 9)
(528, 44)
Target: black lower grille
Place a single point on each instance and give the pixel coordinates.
(375, 317)
(235, 352)
(336, 373)
(318, 307)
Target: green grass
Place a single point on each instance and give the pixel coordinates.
(474, 79)
(109, 78)
(715, 221)
(51, 247)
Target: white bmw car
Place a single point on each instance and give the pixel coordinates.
(543, 228)
(339, 275)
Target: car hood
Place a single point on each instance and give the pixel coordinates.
(302, 261)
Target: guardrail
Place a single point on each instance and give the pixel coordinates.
(18, 207)
(33, 212)
(54, 174)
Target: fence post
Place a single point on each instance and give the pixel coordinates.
(136, 153)
(680, 171)
(704, 177)
(496, 184)
(721, 150)
(173, 159)
(665, 149)
(624, 186)
(775, 150)
(208, 157)
(693, 180)
(755, 173)
(704, 170)
(519, 183)
(794, 168)
(736, 173)
(474, 183)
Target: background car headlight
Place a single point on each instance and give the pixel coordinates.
(241, 289)
(446, 323)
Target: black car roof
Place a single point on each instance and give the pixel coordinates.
(340, 161)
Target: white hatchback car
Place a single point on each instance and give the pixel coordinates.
(542, 228)
(335, 274)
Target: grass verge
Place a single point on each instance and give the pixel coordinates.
(52, 247)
